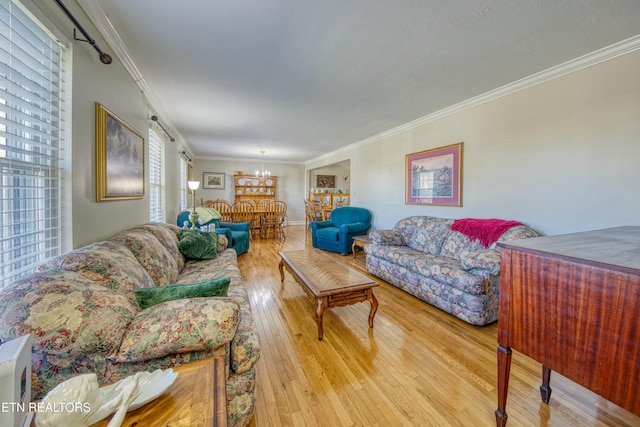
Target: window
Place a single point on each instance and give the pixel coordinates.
(156, 178)
(32, 119)
(183, 184)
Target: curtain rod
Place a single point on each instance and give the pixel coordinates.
(104, 57)
(185, 155)
(155, 119)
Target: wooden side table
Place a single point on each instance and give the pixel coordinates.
(189, 401)
(359, 242)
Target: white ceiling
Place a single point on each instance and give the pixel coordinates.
(300, 78)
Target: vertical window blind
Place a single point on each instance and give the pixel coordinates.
(31, 129)
(156, 177)
(183, 184)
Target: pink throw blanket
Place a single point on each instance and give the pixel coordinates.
(485, 230)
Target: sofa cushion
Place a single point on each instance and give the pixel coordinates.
(408, 227)
(429, 235)
(435, 267)
(207, 288)
(456, 243)
(199, 245)
(179, 326)
(245, 347)
(66, 313)
(107, 263)
(151, 254)
(167, 234)
(223, 242)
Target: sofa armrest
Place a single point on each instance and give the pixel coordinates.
(387, 238)
(315, 225)
(179, 326)
(354, 228)
(481, 262)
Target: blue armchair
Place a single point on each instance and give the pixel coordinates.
(237, 233)
(336, 235)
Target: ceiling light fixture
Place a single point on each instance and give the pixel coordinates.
(104, 57)
(263, 173)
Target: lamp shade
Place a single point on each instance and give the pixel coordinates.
(193, 185)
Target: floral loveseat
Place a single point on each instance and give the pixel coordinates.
(82, 313)
(423, 256)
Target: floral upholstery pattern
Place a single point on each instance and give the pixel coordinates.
(151, 254)
(65, 313)
(167, 234)
(245, 346)
(424, 257)
(107, 263)
(83, 316)
(179, 327)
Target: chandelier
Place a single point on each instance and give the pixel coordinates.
(262, 173)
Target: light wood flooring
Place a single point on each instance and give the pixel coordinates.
(418, 366)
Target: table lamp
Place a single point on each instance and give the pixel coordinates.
(193, 217)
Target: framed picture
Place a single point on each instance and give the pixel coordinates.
(213, 180)
(434, 177)
(190, 175)
(326, 181)
(119, 158)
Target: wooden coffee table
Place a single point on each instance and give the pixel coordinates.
(331, 284)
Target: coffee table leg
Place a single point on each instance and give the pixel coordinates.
(374, 306)
(281, 268)
(321, 307)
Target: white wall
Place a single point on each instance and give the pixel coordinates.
(561, 156)
(113, 87)
(289, 185)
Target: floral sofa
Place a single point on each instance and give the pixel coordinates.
(446, 268)
(82, 313)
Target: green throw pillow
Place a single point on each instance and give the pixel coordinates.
(198, 244)
(148, 297)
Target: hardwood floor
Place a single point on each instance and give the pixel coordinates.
(418, 366)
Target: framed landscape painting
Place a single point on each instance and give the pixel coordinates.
(434, 177)
(213, 180)
(119, 158)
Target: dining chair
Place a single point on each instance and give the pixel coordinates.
(222, 206)
(313, 212)
(244, 211)
(273, 220)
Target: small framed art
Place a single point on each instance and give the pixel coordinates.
(213, 180)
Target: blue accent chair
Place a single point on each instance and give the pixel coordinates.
(237, 233)
(336, 235)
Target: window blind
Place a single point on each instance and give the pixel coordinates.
(156, 177)
(31, 128)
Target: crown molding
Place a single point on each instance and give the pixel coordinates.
(111, 37)
(605, 54)
(108, 32)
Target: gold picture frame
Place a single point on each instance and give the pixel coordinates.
(119, 158)
(434, 177)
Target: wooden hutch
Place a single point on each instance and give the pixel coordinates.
(330, 199)
(256, 188)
